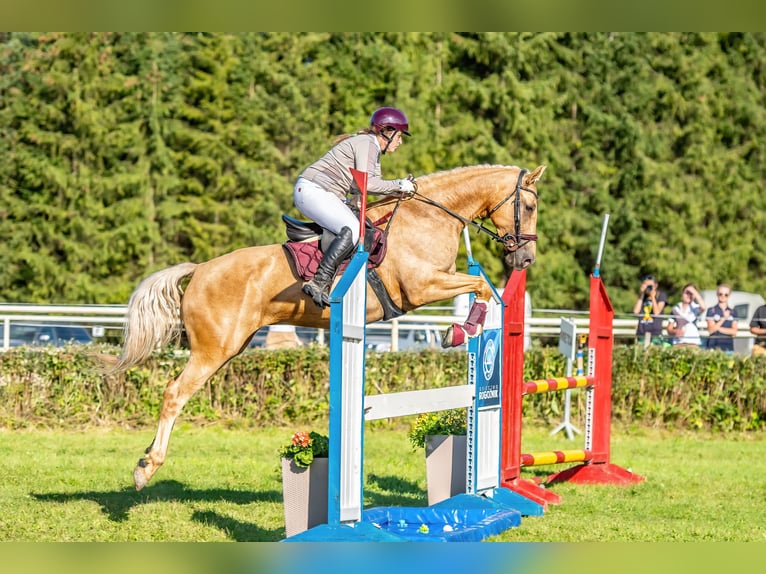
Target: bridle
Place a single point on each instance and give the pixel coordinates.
(511, 241)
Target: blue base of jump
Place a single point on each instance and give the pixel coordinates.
(501, 498)
(515, 500)
(462, 518)
(354, 532)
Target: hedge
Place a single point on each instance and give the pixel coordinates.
(661, 387)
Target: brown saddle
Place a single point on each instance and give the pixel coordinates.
(304, 247)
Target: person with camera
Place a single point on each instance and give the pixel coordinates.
(758, 328)
(649, 307)
(682, 325)
(722, 323)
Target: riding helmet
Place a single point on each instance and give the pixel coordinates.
(390, 118)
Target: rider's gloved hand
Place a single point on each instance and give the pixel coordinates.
(407, 186)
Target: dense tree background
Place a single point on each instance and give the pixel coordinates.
(121, 154)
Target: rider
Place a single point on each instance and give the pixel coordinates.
(322, 189)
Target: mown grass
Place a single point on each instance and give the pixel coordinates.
(224, 485)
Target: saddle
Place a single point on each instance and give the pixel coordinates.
(307, 238)
(305, 251)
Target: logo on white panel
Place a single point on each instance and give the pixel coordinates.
(488, 360)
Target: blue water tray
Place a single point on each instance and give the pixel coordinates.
(442, 524)
(467, 518)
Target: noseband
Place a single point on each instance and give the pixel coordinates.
(511, 241)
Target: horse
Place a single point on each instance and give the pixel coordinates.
(228, 298)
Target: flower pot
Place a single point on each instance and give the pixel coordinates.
(304, 491)
(445, 466)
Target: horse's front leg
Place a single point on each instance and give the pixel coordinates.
(448, 285)
(457, 334)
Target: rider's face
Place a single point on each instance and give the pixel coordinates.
(396, 141)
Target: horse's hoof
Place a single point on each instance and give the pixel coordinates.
(447, 338)
(139, 478)
(143, 473)
(454, 336)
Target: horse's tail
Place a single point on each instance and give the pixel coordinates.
(153, 318)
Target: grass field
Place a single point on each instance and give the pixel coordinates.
(224, 485)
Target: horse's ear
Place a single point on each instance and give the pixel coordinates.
(535, 175)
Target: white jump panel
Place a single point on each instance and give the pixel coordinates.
(415, 402)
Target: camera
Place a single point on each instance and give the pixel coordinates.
(649, 289)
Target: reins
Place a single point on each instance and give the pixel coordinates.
(388, 218)
(511, 241)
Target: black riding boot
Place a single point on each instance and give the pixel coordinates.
(319, 286)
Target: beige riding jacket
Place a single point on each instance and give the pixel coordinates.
(361, 152)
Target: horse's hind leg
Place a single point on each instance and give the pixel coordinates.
(177, 393)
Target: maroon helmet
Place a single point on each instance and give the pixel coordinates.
(390, 117)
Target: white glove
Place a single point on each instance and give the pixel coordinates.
(406, 186)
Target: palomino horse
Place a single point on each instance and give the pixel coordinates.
(230, 297)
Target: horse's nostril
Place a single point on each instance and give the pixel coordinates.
(526, 262)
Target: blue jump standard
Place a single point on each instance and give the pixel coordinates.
(462, 518)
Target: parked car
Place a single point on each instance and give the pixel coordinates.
(40, 334)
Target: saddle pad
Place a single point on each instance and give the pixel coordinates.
(306, 255)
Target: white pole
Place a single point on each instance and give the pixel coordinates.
(597, 270)
(467, 240)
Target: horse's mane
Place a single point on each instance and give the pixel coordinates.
(448, 187)
(465, 168)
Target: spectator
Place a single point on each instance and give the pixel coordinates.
(649, 306)
(722, 322)
(758, 328)
(683, 323)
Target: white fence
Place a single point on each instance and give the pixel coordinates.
(544, 323)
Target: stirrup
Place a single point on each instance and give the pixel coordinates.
(318, 295)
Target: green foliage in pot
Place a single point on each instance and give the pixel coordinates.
(304, 447)
(450, 422)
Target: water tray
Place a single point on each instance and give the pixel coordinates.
(439, 524)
